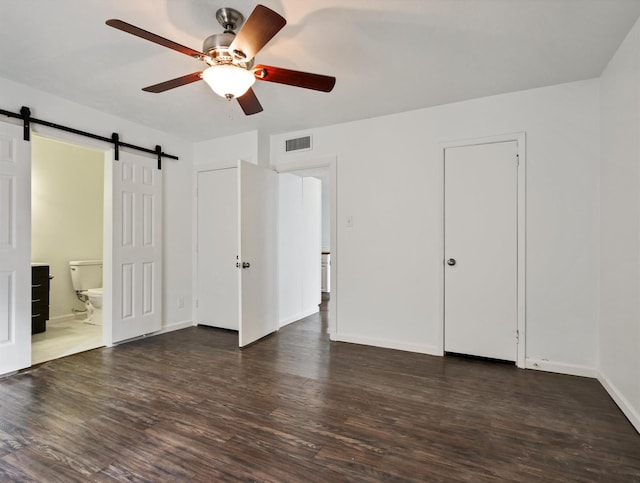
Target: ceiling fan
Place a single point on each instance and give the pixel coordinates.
(230, 57)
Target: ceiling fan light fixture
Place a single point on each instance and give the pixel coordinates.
(228, 80)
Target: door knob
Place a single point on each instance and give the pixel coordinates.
(243, 265)
(451, 262)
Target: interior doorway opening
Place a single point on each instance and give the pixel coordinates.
(324, 168)
(67, 216)
(313, 269)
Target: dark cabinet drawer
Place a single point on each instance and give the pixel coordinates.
(39, 298)
(38, 323)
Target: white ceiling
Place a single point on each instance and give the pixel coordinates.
(388, 56)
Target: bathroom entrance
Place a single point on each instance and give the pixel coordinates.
(67, 217)
(131, 252)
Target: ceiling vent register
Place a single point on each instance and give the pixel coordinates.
(298, 144)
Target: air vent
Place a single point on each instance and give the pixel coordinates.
(298, 144)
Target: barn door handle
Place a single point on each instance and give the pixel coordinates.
(451, 262)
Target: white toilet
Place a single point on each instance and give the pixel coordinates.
(86, 277)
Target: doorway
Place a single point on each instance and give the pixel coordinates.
(484, 263)
(304, 243)
(326, 169)
(131, 253)
(67, 215)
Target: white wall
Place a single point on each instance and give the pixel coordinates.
(67, 185)
(619, 334)
(390, 180)
(227, 151)
(299, 237)
(177, 270)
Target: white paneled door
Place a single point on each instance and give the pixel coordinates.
(481, 250)
(258, 252)
(15, 249)
(217, 249)
(137, 247)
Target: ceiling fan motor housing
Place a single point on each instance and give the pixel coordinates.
(216, 47)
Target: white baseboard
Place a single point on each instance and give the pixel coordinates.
(169, 328)
(298, 316)
(175, 326)
(62, 318)
(560, 367)
(388, 344)
(624, 405)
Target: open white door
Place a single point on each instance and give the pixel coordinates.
(136, 265)
(15, 249)
(258, 252)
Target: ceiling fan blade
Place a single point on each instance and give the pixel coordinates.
(173, 83)
(144, 34)
(296, 78)
(249, 103)
(259, 28)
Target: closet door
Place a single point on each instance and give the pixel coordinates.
(481, 250)
(217, 296)
(15, 249)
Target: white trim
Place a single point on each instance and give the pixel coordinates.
(561, 368)
(387, 344)
(520, 138)
(107, 250)
(299, 316)
(624, 405)
(169, 328)
(332, 163)
(185, 324)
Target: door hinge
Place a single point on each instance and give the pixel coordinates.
(517, 160)
(517, 336)
(196, 303)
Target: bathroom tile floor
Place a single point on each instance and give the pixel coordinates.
(64, 338)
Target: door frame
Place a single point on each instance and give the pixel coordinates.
(108, 160)
(520, 139)
(330, 162)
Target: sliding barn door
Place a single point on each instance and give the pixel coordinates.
(258, 252)
(137, 247)
(15, 249)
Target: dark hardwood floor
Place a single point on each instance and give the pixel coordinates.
(189, 405)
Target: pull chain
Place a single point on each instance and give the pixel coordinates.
(230, 109)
